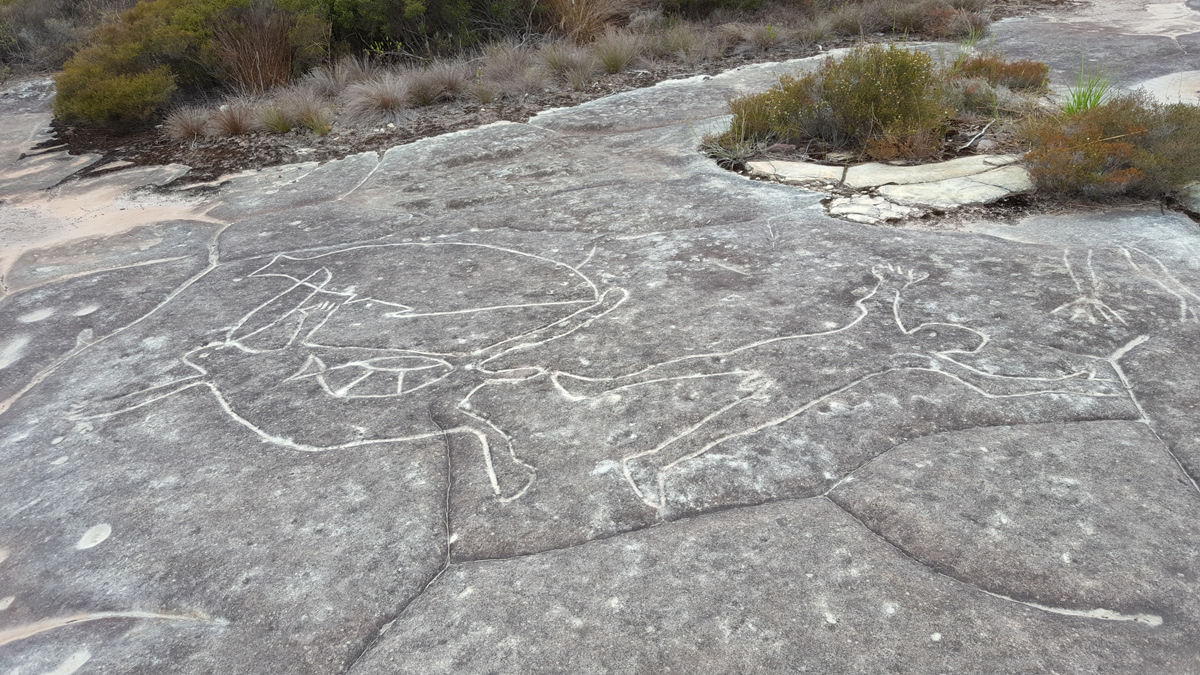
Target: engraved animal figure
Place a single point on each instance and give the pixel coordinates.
(783, 377)
(275, 375)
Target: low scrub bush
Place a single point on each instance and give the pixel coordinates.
(1129, 145)
(160, 42)
(883, 102)
(43, 34)
(87, 91)
(1016, 74)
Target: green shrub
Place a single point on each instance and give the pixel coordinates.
(888, 90)
(160, 43)
(884, 102)
(89, 92)
(1129, 146)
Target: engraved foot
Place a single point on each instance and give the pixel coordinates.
(646, 479)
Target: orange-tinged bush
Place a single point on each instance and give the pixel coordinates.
(1129, 146)
(1017, 74)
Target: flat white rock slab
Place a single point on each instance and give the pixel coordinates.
(875, 174)
(980, 188)
(1183, 87)
(798, 171)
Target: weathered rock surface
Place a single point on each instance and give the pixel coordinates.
(566, 396)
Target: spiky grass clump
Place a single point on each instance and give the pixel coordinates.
(288, 108)
(319, 120)
(186, 123)
(331, 79)
(857, 19)
(560, 57)
(376, 100)
(235, 118)
(572, 63)
(483, 92)
(764, 36)
(583, 20)
(1092, 89)
(506, 61)
(424, 87)
(273, 119)
(452, 76)
(616, 49)
(511, 70)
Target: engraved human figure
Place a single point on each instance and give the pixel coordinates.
(782, 377)
(273, 375)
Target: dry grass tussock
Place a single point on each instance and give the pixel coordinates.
(584, 20)
(376, 100)
(256, 52)
(331, 79)
(234, 118)
(186, 123)
(571, 62)
(510, 70)
(559, 57)
(442, 80)
(291, 107)
(616, 49)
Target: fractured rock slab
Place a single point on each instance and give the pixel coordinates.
(867, 209)
(981, 188)
(875, 174)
